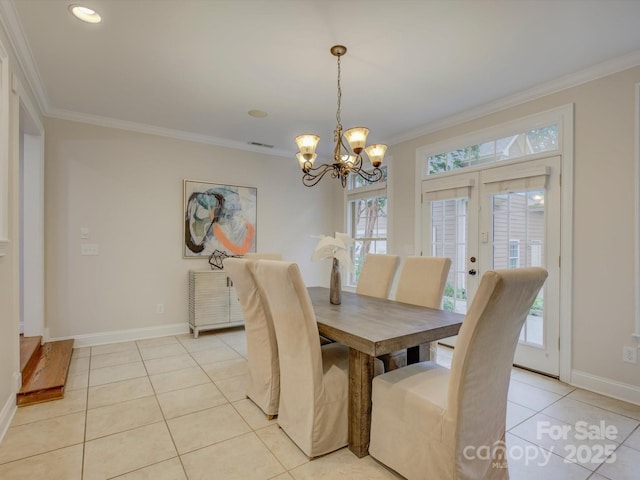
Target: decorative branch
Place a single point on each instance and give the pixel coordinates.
(217, 257)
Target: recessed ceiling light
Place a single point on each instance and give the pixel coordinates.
(257, 113)
(85, 14)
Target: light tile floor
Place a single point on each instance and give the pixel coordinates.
(175, 408)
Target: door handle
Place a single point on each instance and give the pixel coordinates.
(472, 271)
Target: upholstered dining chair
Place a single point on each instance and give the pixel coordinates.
(422, 282)
(429, 422)
(377, 274)
(277, 256)
(314, 379)
(262, 349)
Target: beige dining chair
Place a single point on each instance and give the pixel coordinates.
(377, 275)
(422, 282)
(431, 422)
(314, 379)
(262, 349)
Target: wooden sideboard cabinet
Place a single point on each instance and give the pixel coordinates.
(213, 302)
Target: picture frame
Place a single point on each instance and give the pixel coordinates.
(218, 217)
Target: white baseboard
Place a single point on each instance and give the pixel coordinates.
(606, 386)
(8, 411)
(118, 336)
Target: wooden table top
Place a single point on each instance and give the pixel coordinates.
(376, 326)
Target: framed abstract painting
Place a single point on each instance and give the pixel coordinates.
(218, 217)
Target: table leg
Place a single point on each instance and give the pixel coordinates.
(360, 378)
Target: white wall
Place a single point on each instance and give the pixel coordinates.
(604, 218)
(32, 257)
(127, 188)
(13, 85)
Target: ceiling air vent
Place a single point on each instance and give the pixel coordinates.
(258, 144)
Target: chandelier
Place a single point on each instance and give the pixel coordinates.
(346, 160)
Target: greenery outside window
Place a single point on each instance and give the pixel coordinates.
(367, 220)
(532, 142)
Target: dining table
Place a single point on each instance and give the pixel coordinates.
(371, 327)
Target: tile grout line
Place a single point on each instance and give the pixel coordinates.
(164, 418)
(606, 409)
(254, 430)
(594, 471)
(556, 454)
(86, 417)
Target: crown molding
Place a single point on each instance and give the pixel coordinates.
(161, 131)
(13, 27)
(595, 72)
(18, 40)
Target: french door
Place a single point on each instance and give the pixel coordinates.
(504, 216)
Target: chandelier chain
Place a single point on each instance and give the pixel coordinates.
(338, 112)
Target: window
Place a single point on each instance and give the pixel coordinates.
(514, 253)
(520, 145)
(367, 220)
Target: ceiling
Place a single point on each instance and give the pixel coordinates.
(194, 69)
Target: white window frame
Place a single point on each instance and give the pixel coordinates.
(378, 189)
(636, 333)
(4, 150)
(516, 257)
(564, 116)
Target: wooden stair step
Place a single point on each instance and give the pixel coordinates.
(28, 349)
(46, 378)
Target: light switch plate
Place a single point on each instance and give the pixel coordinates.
(84, 233)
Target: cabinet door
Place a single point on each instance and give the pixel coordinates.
(210, 292)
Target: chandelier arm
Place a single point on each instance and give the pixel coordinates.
(337, 151)
(343, 180)
(357, 165)
(321, 169)
(309, 179)
(373, 176)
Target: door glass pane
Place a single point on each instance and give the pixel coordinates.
(518, 241)
(449, 239)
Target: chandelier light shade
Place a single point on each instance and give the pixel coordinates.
(346, 160)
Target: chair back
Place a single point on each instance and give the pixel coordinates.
(262, 348)
(377, 274)
(483, 357)
(297, 334)
(422, 281)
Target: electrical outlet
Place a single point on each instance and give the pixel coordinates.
(629, 355)
(160, 308)
(89, 249)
